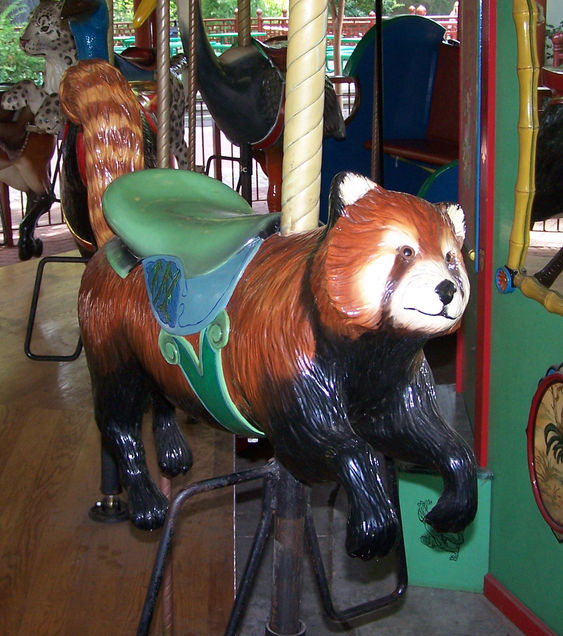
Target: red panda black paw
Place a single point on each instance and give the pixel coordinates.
(452, 514)
(147, 506)
(371, 536)
(173, 452)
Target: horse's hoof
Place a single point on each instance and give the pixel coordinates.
(25, 250)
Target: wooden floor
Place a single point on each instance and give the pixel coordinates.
(60, 572)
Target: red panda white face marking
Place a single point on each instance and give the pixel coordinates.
(412, 277)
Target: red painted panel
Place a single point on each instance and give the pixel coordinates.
(513, 609)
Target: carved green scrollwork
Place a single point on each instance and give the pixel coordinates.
(204, 372)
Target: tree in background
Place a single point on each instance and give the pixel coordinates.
(17, 65)
(438, 7)
(363, 7)
(226, 8)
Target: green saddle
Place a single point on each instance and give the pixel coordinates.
(194, 236)
(197, 219)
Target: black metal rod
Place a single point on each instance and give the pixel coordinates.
(377, 123)
(169, 527)
(289, 529)
(33, 310)
(246, 172)
(110, 482)
(345, 615)
(255, 556)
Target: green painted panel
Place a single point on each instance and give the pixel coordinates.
(454, 561)
(526, 339)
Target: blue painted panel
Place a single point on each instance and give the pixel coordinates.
(410, 51)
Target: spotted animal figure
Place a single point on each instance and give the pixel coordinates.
(44, 106)
(48, 35)
(322, 337)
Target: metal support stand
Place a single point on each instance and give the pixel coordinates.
(287, 501)
(110, 508)
(289, 531)
(33, 311)
(244, 184)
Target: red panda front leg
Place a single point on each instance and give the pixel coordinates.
(315, 441)
(412, 429)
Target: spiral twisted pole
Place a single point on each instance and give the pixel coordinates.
(163, 161)
(162, 79)
(244, 22)
(192, 87)
(302, 147)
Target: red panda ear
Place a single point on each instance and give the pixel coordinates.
(457, 218)
(347, 188)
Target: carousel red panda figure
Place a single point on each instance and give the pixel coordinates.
(324, 348)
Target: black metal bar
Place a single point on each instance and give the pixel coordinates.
(289, 531)
(345, 615)
(169, 526)
(377, 123)
(217, 159)
(246, 172)
(33, 311)
(254, 558)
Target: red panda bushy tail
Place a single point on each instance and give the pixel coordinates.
(96, 96)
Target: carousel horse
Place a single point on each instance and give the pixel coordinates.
(312, 339)
(48, 34)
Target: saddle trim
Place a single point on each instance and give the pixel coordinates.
(204, 373)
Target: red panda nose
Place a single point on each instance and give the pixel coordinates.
(445, 291)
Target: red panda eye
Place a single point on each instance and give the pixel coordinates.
(450, 258)
(407, 252)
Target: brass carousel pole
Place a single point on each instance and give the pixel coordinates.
(163, 161)
(244, 30)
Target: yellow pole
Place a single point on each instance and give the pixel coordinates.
(525, 14)
(302, 146)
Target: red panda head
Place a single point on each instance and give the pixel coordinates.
(393, 261)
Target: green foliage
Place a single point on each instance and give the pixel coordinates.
(392, 7)
(363, 7)
(226, 8)
(16, 65)
(123, 10)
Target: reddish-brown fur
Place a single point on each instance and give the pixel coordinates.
(124, 326)
(328, 381)
(30, 163)
(97, 96)
(356, 236)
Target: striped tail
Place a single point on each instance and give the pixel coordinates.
(97, 97)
